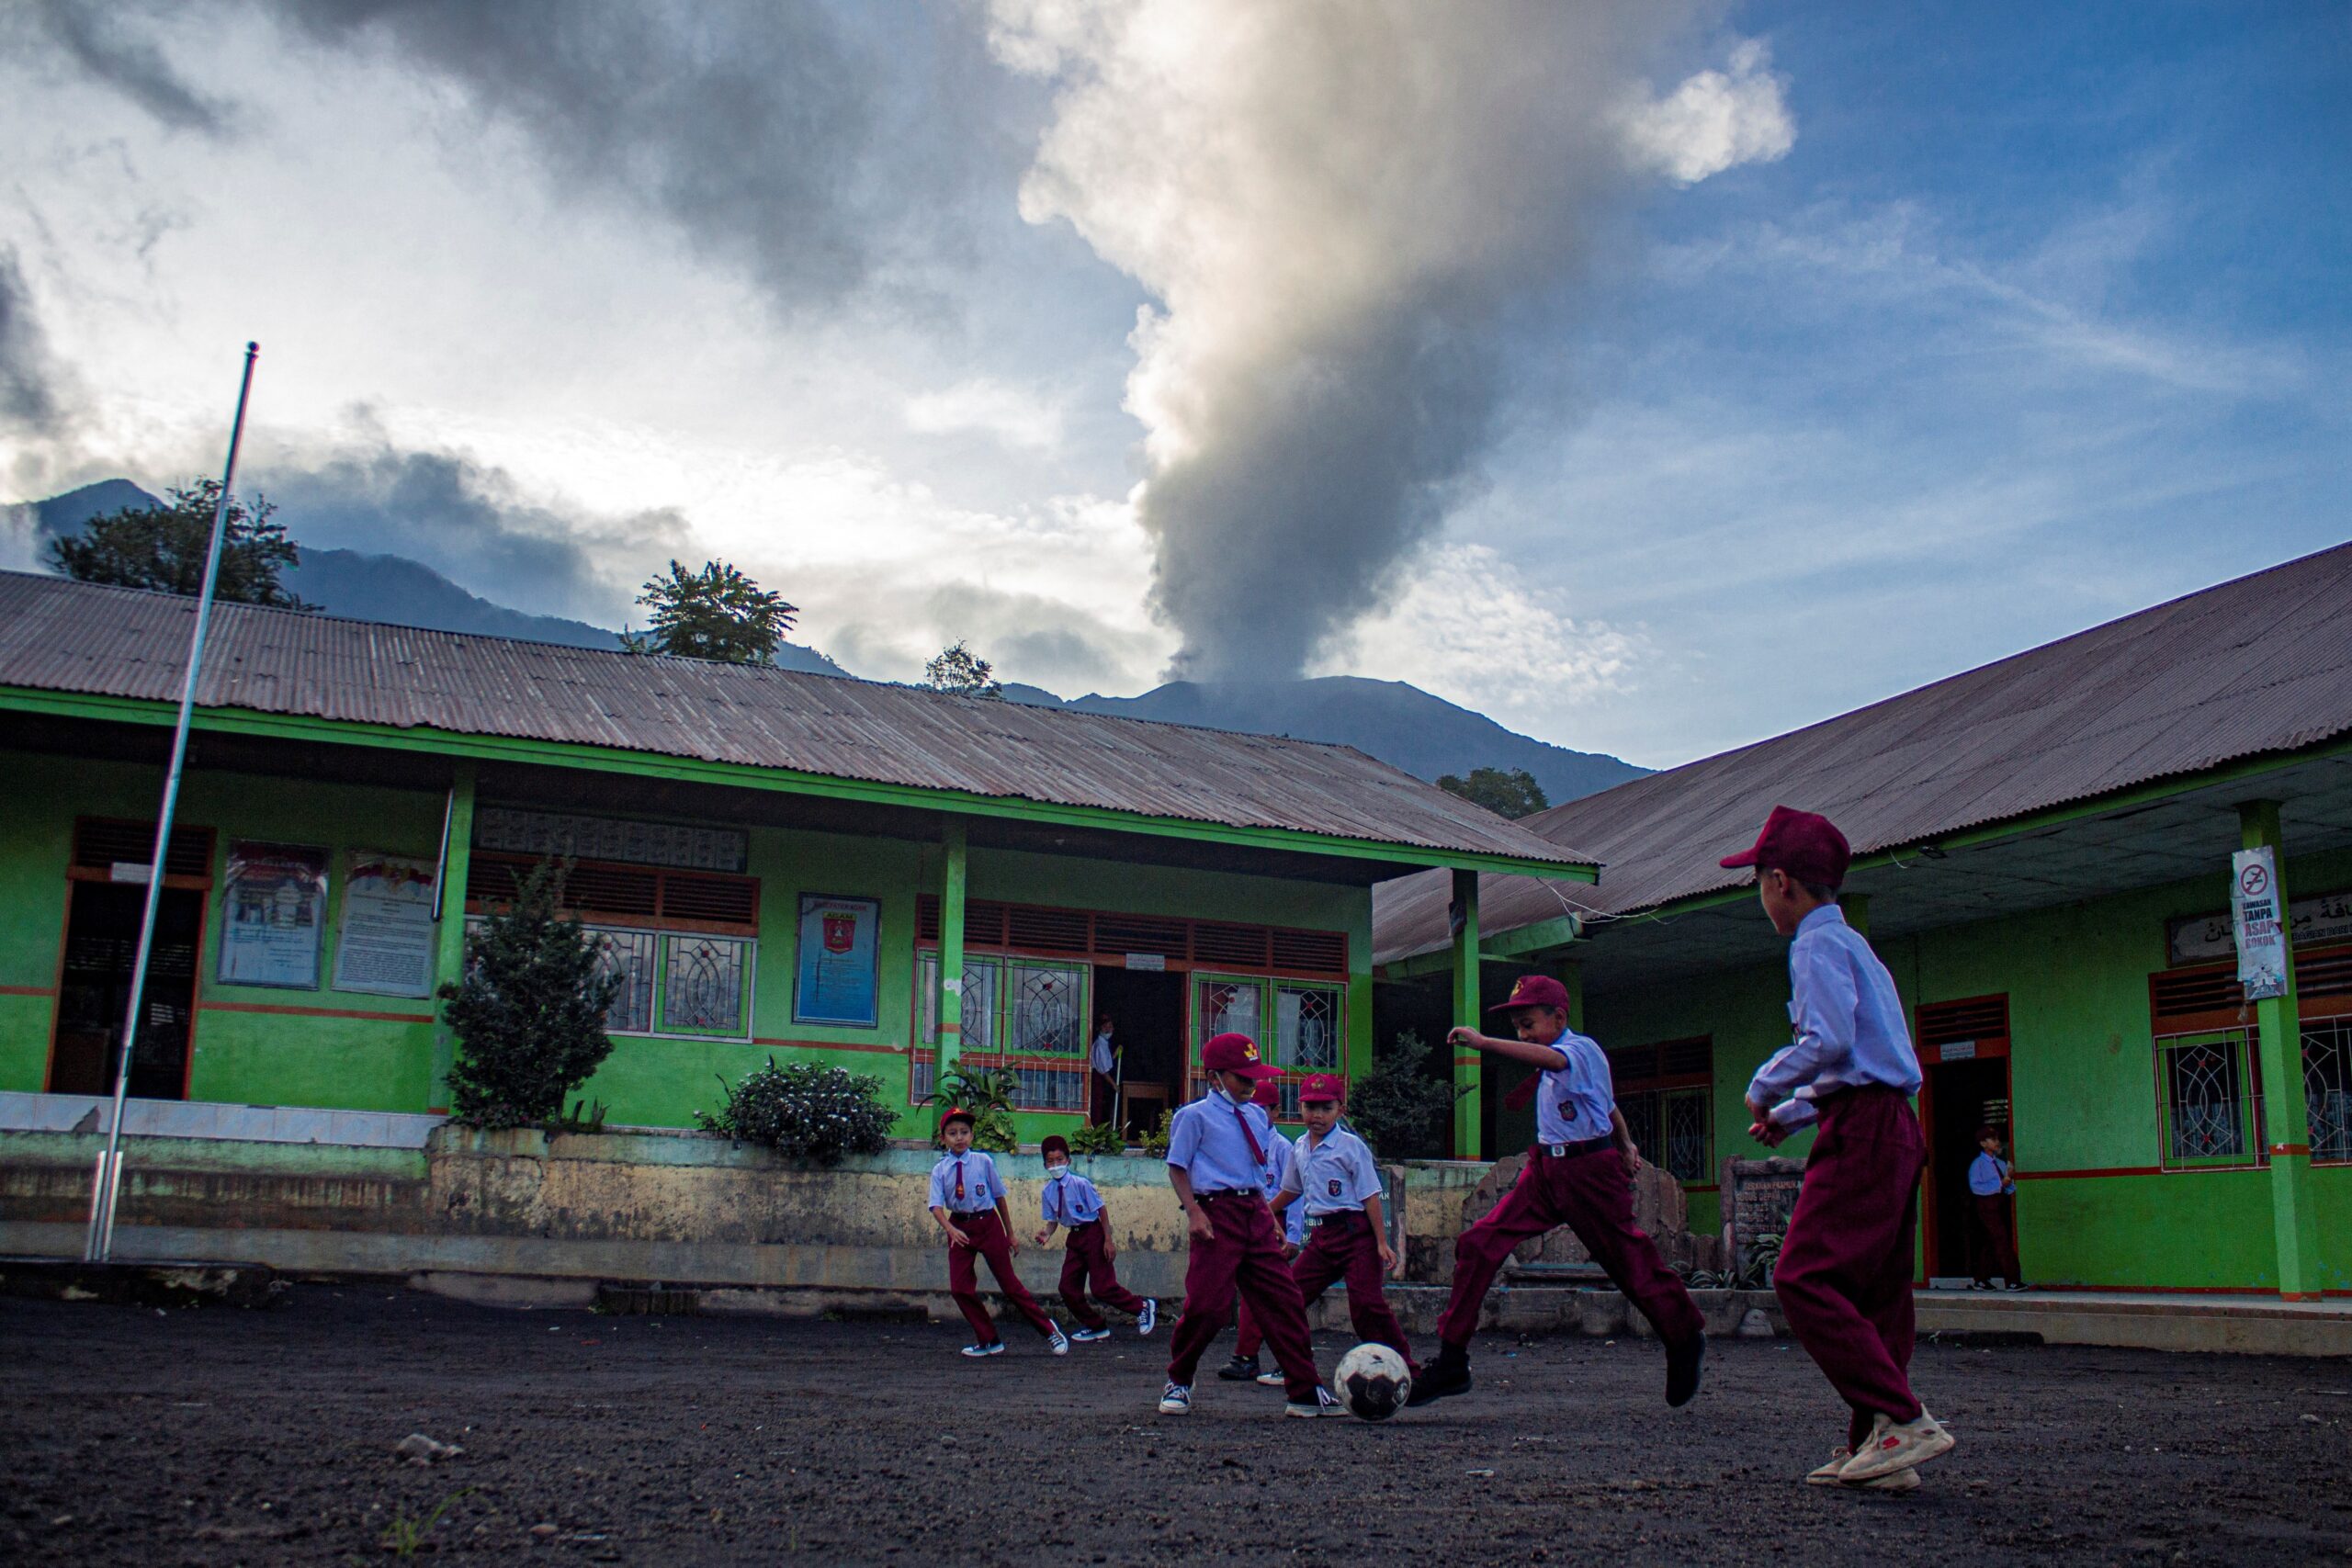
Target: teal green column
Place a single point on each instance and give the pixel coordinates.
(955, 863)
(1570, 974)
(1467, 1145)
(450, 955)
(2279, 1025)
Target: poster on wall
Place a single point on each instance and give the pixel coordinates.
(384, 946)
(2257, 924)
(839, 944)
(271, 912)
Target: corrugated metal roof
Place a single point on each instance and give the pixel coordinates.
(70, 636)
(2256, 666)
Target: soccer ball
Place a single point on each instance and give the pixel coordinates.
(1372, 1382)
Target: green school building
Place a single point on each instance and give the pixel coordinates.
(823, 869)
(2043, 857)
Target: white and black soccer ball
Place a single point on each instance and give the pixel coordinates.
(1372, 1382)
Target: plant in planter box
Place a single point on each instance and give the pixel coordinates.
(988, 1093)
(818, 1115)
(1098, 1138)
(529, 1011)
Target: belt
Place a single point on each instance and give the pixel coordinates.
(1337, 1216)
(1581, 1147)
(1234, 1192)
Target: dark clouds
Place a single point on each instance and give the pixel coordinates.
(474, 525)
(31, 402)
(102, 39)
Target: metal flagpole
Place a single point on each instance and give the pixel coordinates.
(108, 1184)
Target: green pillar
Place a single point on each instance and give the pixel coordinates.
(449, 953)
(2294, 1221)
(1467, 1143)
(1570, 974)
(954, 870)
(1857, 906)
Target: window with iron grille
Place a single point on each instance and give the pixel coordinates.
(1665, 1093)
(705, 986)
(1306, 1028)
(980, 1003)
(1014, 1013)
(2208, 1101)
(1045, 1011)
(1226, 1007)
(629, 955)
(2327, 1087)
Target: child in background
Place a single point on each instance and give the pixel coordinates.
(1844, 1274)
(969, 1201)
(1072, 1202)
(1991, 1187)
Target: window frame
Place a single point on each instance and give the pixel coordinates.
(2245, 1058)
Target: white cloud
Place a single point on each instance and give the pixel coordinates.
(1018, 416)
(1713, 121)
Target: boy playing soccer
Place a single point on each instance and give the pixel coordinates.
(1579, 1174)
(1217, 1157)
(1071, 1201)
(1247, 1340)
(1333, 1176)
(969, 1200)
(1844, 1275)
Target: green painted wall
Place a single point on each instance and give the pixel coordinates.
(2083, 1083)
(308, 1056)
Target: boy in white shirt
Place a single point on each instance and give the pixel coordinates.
(1334, 1180)
(969, 1201)
(1072, 1202)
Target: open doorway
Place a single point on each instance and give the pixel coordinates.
(1146, 1012)
(101, 939)
(1959, 1097)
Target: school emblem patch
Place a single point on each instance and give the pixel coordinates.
(841, 933)
(1334, 1185)
(1518, 991)
(1250, 1051)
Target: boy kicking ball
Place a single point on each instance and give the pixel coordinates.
(969, 1200)
(1844, 1275)
(1072, 1202)
(1216, 1160)
(1578, 1175)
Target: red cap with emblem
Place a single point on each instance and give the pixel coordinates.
(1321, 1087)
(1534, 991)
(1806, 844)
(958, 1114)
(1235, 1053)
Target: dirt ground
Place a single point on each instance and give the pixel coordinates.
(215, 1436)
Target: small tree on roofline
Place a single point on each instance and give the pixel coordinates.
(961, 674)
(529, 1014)
(163, 548)
(1514, 793)
(717, 613)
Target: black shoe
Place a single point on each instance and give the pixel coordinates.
(1683, 1364)
(1448, 1375)
(1241, 1368)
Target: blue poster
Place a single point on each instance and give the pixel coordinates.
(839, 951)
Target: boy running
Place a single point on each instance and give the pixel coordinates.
(1071, 1201)
(969, 1201)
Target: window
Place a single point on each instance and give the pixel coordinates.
(1015, 1012)
(1227, 1007)
(1665, 1093)
(1046, 1011)
(629, 955)
(703, 986)
(2210, 1106)
(2327, 1086)
(1306, 1028)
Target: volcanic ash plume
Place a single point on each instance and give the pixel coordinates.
(1338, 205)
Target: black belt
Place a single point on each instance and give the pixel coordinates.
(1582, 1147)
(1234, 1192)
(1337, 1217)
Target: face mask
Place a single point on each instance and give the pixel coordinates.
(1056, 1172)
(1237, 1099)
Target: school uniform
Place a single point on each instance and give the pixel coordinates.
(1329, 1178)
(1994, 1239)
(1574, 1177)
(1072, 1202)
(967, 1186)
(1225, 1149)
(1103, 1062)
(1280, 1151)
(1844, 1274)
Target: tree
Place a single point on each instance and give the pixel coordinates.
(717, 613)
(960, 673)
(529, 1015)
(1514, 793)
(163, 548)
(1398, 1108)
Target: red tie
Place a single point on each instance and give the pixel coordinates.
(1255, 1152)
(960, 1177)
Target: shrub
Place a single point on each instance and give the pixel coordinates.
(1098, 1138)
(1398, 1107)
(529, 1012)
(815, 1114)
(987, 1094)
(1155, 1143)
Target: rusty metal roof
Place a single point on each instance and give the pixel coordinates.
(2258, 666)
(62, 636)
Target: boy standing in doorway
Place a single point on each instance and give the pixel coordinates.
(1844, 1275)
(1103, 1063)
(1991, 1187)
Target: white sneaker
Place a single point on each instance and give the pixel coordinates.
(993, 1347)
(1272, 1379)
(1060, 1343)
(1326, 1404)
(1898, 1445)
(1175, 1400)
(1148, 1319)
(1828, 1475)
(1832, 1473)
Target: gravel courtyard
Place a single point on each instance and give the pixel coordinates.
(216, 1436)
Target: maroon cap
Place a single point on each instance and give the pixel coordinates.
(1534, 991)
(1235, 1053)
(1321, 1086)
(958, 1114)
(1806, 844)
(1267, 1093)
(1054, 1143)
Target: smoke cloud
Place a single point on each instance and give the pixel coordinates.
(1342, 207)
(29, 402)
(96, 38)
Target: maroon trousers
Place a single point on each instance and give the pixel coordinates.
(1083, 1263)
(988, 1241)
(1104, 1090)
(1995, 1242)
(1591, 1195)
(1247, 1257)
(1342, 1247)
(1844, 1278)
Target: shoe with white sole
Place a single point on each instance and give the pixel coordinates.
(993, 1347)
(1058, 1342)
(1832, 1473)
(1088, 1335)
(1270, 1380)
(1326, 1404)
(1896, 1445)
(1175, 1400)
(1827, 1475)
(1148, 1319)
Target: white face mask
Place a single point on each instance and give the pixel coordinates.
(1243, 1099)
(1056, 1172)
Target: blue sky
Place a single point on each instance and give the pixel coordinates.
(1786, 355)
